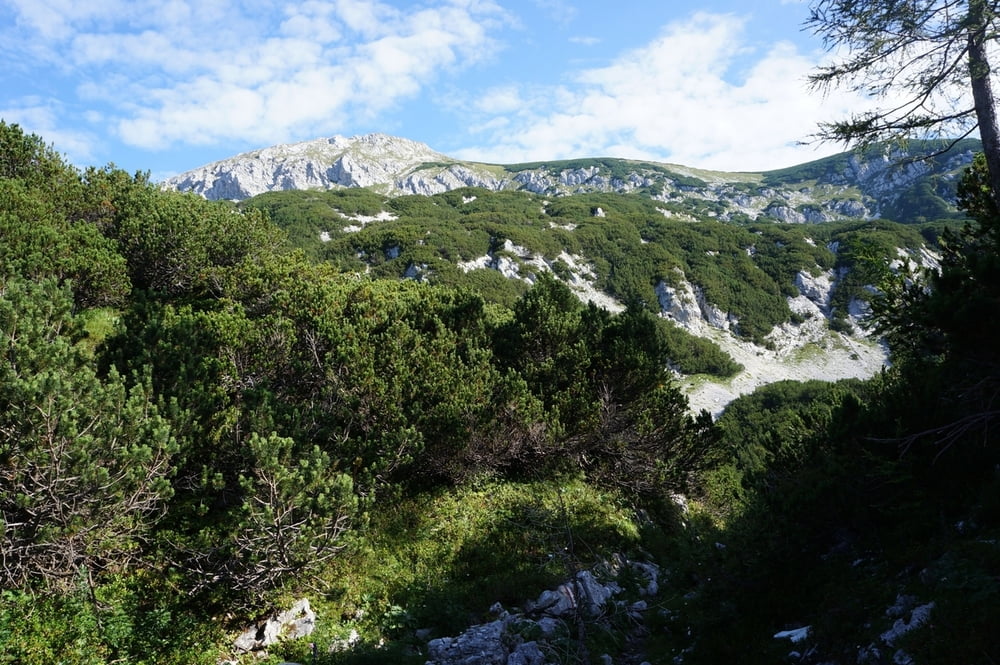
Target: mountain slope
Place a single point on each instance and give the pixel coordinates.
(783, 300)
(778, 289)
(882, 182)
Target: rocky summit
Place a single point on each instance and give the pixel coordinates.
(903, 184)
(372, 160)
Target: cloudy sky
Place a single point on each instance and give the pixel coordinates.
(169, 85)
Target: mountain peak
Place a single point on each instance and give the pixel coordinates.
(368, 160)
(374, 144)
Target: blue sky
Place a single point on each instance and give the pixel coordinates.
(170, 85)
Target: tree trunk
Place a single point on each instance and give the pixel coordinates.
(982, 93)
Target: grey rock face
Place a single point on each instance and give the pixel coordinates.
(687, 305)
(818, 289)
(479, 645)
(678, 303)
(364, 161)
(850, 208)
(584, 593)
(786, 214)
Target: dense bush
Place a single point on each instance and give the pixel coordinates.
(196, 422)
(233, 415)
(839, 500)
(747, 271)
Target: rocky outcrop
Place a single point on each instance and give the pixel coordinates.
(679, 304)
(784, 213)
(816, 288)
(430, 181)
(906, 616)
(850, 208)
(686, 305)
(528, 637)
(371, 160)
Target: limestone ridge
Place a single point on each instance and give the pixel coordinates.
(881, 182)
(391, 164)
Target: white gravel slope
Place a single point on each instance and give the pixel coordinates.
(829, 358)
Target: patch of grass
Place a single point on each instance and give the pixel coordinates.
(447, 557)
(98, 324)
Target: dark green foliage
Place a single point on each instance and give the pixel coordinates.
(84, 461)
(627, 264)
(548, 341)
(771, 431)
(855, 250)
(746, 271)
(387, 385)
(27, 158)
(349, 375)
(783, 252)
(305, 215)
(690, 354)
(945, 328)
(63, 239)
(196, 422)
(874, 491)
(71, 251)
(502, 290)
(177, 244)
(294, 510)
(721, 259)
(604, 381)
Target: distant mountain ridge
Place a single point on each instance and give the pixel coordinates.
(882, 182)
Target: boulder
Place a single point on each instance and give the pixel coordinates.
(584, 593)
(479, 645)
(297, 621)
(505, 641)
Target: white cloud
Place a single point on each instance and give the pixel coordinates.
(560, 11)
(168, 73)
(312, 21)
(40, 117)
(370, 19)
(58, 19)
(210, 71)
(502, 99)
(679, 98)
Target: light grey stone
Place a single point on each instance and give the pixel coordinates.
(296, 622)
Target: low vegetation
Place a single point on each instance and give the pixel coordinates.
(747, 271)
(204, 414)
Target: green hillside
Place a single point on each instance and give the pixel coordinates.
(631, 245)
(206, 414)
